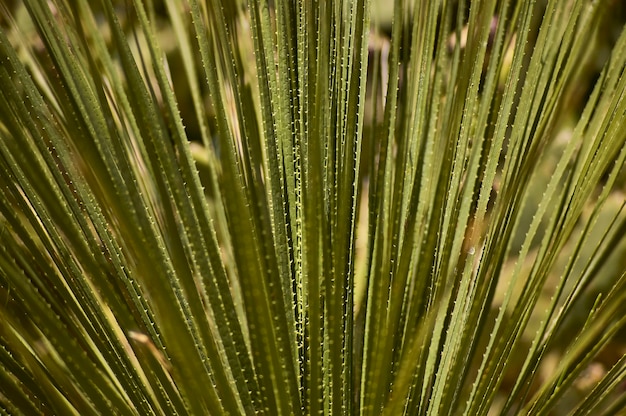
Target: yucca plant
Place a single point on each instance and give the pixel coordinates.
(312, 207)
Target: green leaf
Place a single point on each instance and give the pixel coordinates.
(315, 207)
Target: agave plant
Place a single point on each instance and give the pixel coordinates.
(312, 207)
